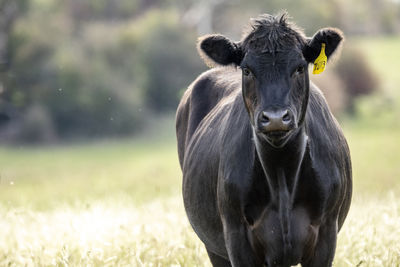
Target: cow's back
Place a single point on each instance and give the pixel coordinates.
(200, 98)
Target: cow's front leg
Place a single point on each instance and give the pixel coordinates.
(232, 188)
(325, 247)
(237, 245)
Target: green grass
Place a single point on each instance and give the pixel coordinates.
(375, 159)
(84, 173)
(112, 232)
(118, 203)
(370, 236)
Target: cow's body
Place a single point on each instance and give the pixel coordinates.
(251, 203)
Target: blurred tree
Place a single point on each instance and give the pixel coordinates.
(100, 67)
(100, 82)
(231, 15)
(334, 90)
(9, 11)
(201, 14)
(89, 10)
(69, 78)
(357, 76)
(165, 58)
(360, 17)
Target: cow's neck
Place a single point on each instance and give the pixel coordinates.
(282, 165)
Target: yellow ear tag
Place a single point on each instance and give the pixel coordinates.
(320, 62)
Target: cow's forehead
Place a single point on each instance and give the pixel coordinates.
(269, 34)
(277, 57)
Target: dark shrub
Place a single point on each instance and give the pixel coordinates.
(334, 90)
(166, 59)
(356, 74)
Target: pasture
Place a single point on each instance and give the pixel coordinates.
(118, 203)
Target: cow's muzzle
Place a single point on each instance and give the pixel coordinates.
(275, 121)
(276, 125)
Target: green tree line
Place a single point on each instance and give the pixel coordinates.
(100, 68)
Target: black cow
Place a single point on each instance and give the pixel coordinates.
(266, 168)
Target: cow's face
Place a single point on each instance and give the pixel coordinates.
(274, 59)
(275, 92)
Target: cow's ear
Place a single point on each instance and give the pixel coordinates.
(331, 37)
(216, 49)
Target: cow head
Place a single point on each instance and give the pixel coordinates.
(274, 56)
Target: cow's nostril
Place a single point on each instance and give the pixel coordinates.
(286, 117)
(275, 121)
(264, 117)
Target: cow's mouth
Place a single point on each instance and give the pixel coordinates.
(277, 138)
(277, 134)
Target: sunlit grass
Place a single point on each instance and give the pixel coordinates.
(105, 233)
(117, 233)
(119, 204)
(376, 160)
(370, 236)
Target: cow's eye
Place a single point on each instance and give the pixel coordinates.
(300, 70)
(246, 71)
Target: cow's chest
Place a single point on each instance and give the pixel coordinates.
(290, 228)
(308, 191)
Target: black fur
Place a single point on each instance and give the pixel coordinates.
(259, 198)
(272, 34)
(330, 36)
(219, 49)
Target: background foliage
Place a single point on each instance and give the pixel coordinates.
(89, 69)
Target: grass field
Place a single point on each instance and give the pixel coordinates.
(118, 203)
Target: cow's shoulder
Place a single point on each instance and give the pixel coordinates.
(328, 153)
(200, 100)
(326, 136)
(211, 86)
(214, 84)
